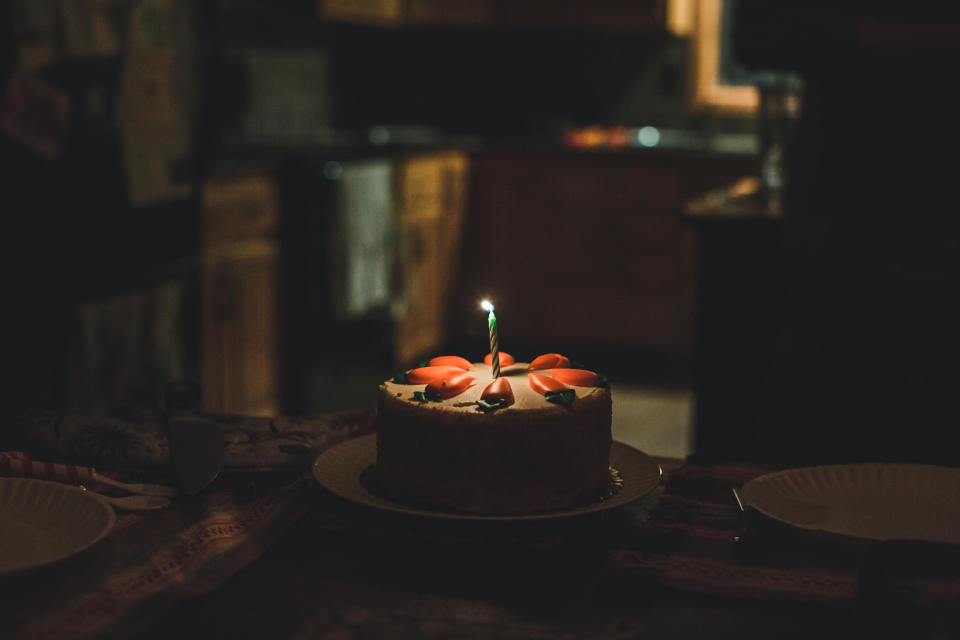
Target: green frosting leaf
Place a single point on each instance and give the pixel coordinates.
(565, 397)
(422, 396)
(401, 378)
(491, 405)
(423, 363)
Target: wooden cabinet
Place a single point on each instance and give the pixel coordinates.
(588, 248)
(431, 191)
(597, 14)
(240, 295)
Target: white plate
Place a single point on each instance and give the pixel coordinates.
(340, 469)
(874, 501)
(42, 522)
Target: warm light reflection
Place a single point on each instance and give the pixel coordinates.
(709, 93)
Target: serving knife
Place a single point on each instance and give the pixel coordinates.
(746, 534)
(131, 503)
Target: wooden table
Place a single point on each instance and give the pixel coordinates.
(329, 583)
(345, 571)
(262, 554)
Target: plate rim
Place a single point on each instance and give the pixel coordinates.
(367, 499)
(750, 486)
(104, 507)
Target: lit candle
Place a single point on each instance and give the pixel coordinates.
(494, 338)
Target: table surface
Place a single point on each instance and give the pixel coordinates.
(274, 556)
(316, 584)
(348, 571)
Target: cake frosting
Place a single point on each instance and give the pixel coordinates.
(537, 438)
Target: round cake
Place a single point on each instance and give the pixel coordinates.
(535, 439)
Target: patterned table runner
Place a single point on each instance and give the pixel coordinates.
(138, 440)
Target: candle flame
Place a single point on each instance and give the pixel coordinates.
(486, 305)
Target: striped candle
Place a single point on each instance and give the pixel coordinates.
(494, 338)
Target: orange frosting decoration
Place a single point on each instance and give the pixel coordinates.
(505, 359)
(451, 361)
(499, 389)
(451, 385)
(542, 384)
(448, 376)
(578, 377)
(550, 361)
(427, 375)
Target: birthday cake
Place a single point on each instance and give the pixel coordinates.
(536, 438)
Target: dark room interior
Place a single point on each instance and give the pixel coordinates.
(712, 388)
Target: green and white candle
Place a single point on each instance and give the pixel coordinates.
(494, 338)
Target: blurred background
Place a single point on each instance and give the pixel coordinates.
(744, 212)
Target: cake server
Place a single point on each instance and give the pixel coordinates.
(197, 445)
